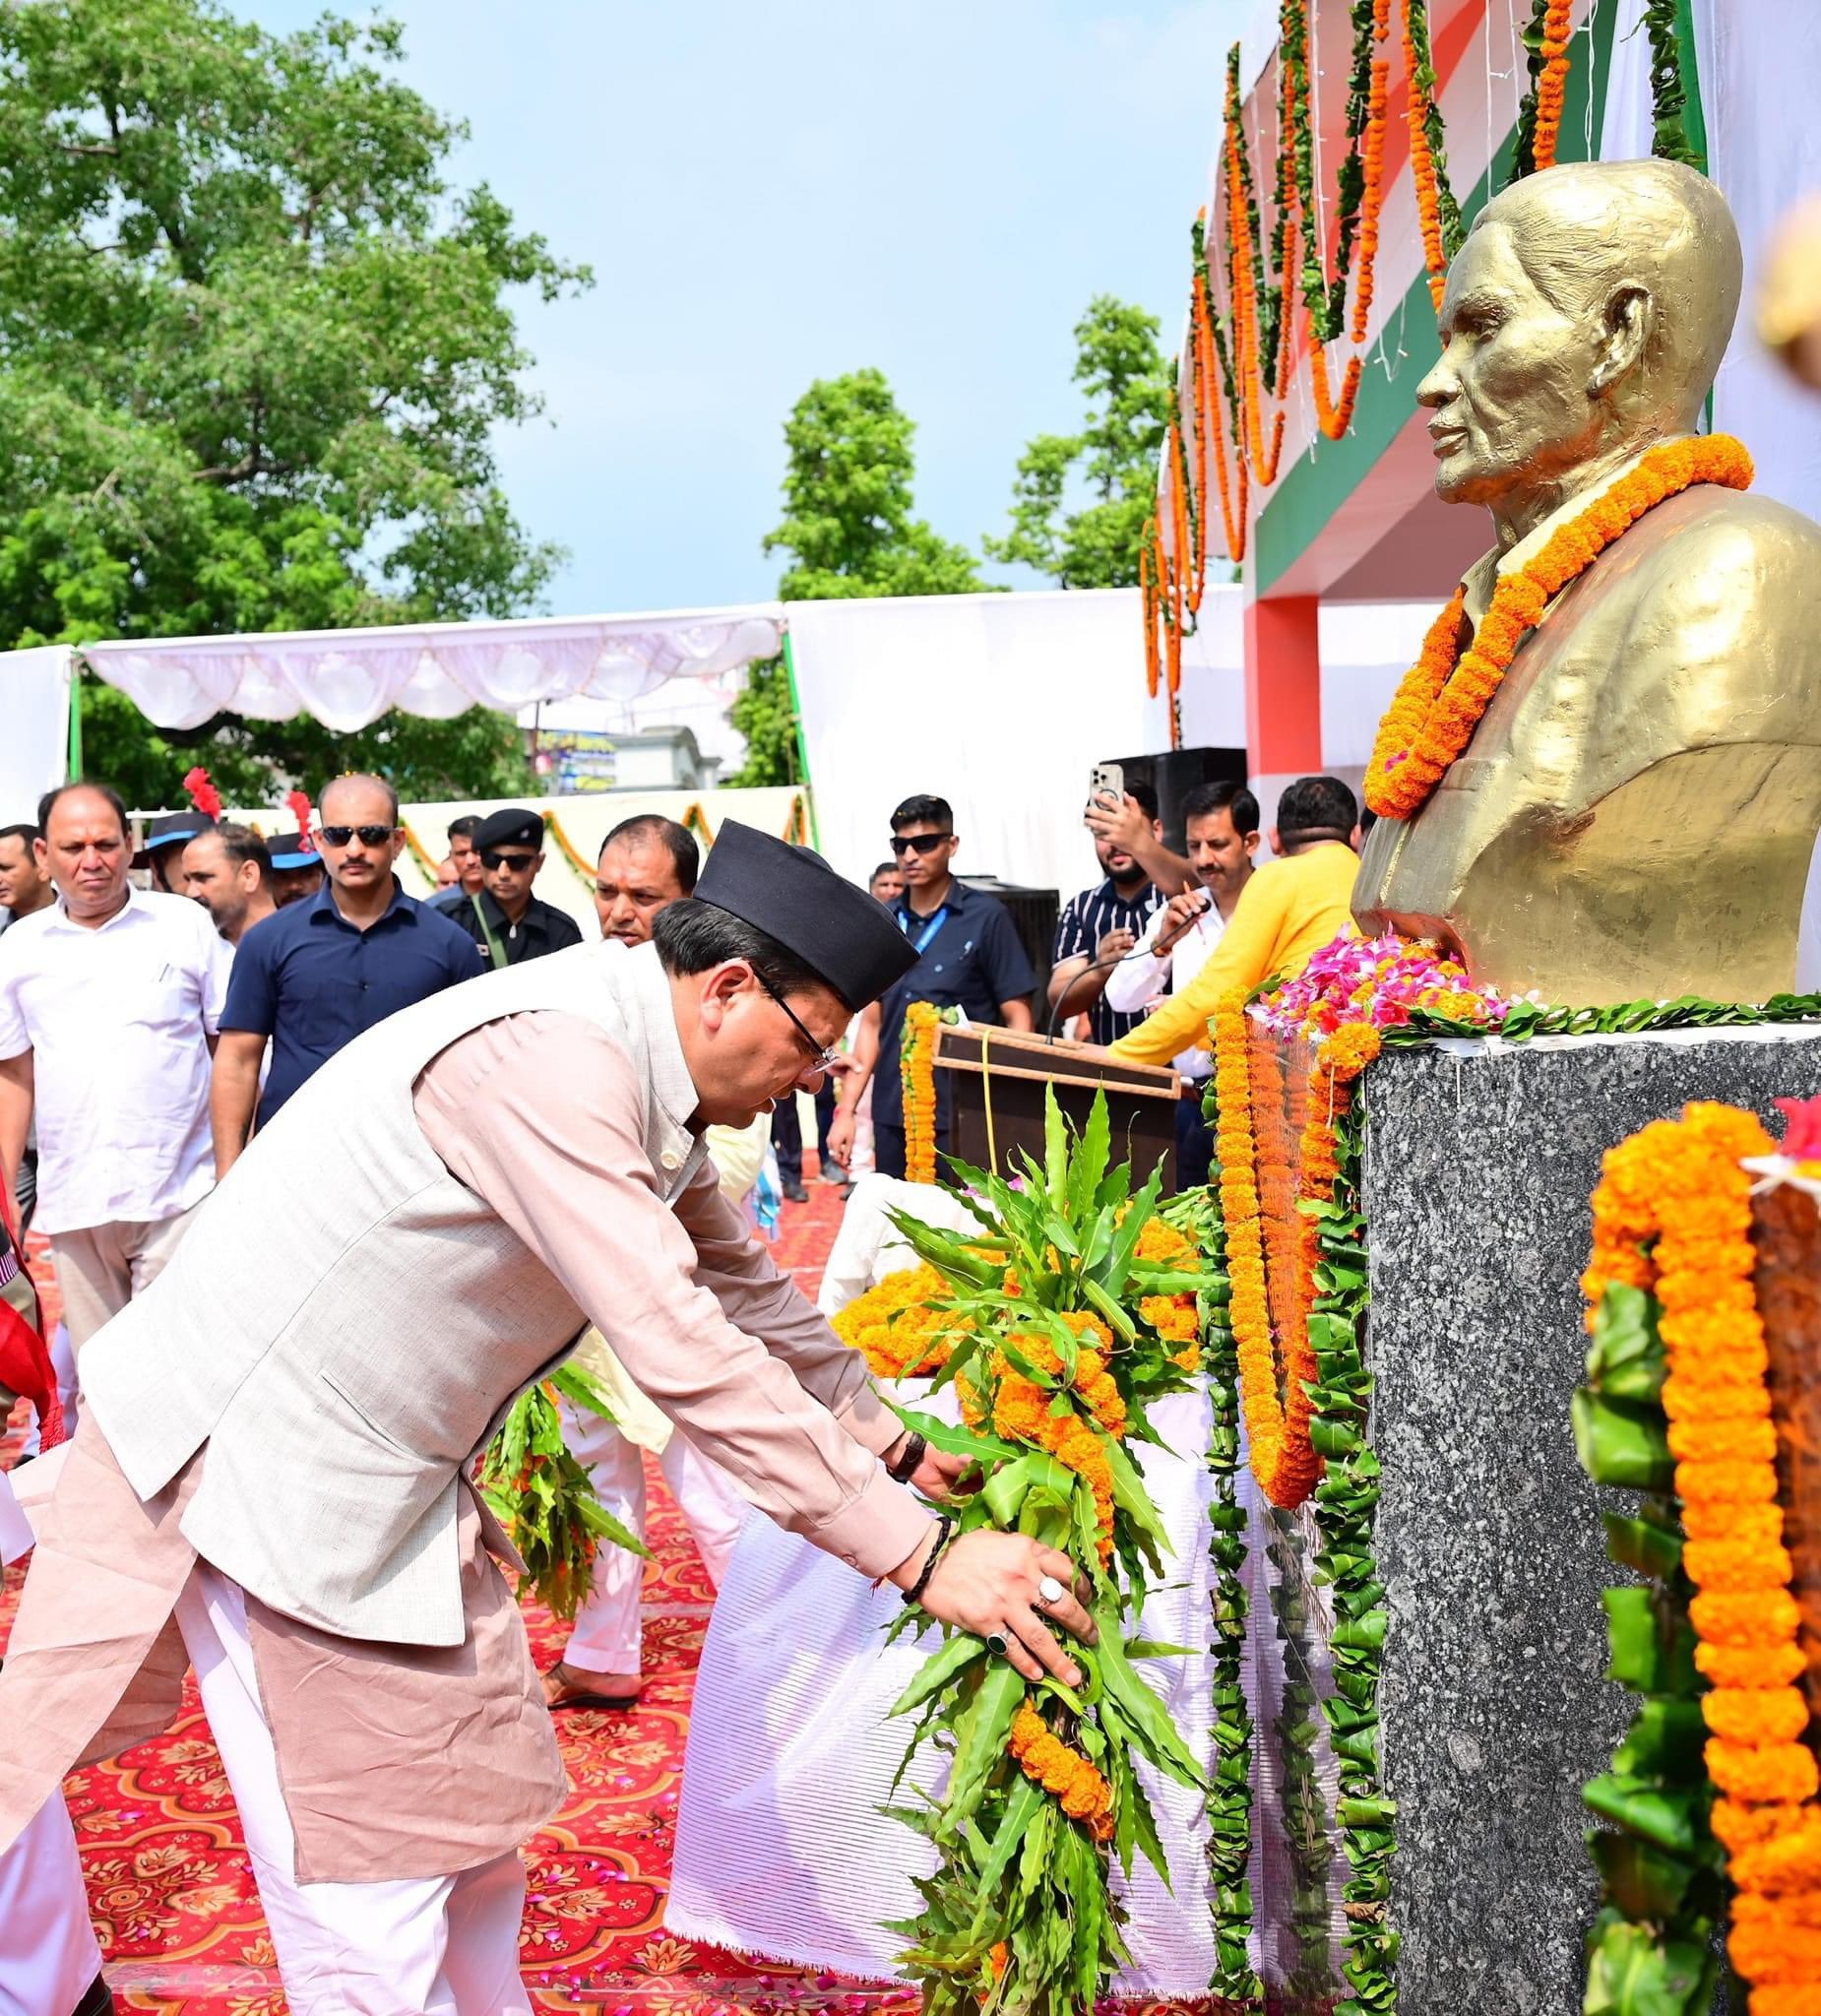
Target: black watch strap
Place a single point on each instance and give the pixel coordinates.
(910, 1458)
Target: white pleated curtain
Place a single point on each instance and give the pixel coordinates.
(348, 678)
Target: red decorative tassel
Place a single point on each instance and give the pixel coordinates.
(299, 803)
(203, 793)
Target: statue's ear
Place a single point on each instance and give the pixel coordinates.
(1627, 325)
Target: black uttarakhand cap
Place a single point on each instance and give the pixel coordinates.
(172, 829)
(790, 893)
(510, 826)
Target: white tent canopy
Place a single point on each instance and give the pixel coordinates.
(997, 702)
(347, 679)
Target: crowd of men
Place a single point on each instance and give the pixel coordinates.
(144, 1037)
(149, 1030)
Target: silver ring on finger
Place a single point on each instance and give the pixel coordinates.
(1049, 1593)
(998, 1644)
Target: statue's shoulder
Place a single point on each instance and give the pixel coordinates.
(1709, 606)
(1711, 542)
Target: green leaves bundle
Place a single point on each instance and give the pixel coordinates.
(543, 1498)
(1068, 1297)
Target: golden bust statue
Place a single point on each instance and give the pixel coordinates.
(1634, 813)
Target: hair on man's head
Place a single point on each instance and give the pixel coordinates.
(921, 809)
(685, 855)
(1227, 796)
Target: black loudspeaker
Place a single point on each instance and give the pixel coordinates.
(1174, 773)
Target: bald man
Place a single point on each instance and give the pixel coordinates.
(1634, 813)
(110, 1003)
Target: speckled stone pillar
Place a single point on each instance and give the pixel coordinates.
(1480, 1163)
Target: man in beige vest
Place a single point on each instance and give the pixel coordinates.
(271, 1476)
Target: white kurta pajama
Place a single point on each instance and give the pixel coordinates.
(475, 1173)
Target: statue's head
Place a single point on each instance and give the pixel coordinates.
(1587, 314)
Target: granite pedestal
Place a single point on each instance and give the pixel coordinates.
(1480, 1162)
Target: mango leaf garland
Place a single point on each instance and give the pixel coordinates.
(542, 1496)
(1056, 1352)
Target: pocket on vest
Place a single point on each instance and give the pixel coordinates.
(363, 1413)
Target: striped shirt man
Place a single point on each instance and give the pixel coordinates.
(1085, 920)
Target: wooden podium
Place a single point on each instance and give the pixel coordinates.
(998, 1078)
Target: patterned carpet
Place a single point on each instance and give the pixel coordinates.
(178, 1916)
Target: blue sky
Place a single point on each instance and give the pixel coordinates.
(774, 194)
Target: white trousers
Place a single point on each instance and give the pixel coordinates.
(432, 1946)
(605, 1638)
(48, 1954)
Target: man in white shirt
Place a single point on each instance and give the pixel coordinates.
(1220, 824)
(109, 1001)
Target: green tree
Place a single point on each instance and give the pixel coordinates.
(849, 529)
(253, 351)
(1112, 464)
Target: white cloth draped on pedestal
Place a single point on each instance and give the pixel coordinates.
(781, 1848)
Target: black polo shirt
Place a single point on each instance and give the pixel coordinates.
(542, 928)
(972, 960)
(312, 982)
(1085, 920)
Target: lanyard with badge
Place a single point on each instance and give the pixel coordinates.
(919, 945)
(927, 935)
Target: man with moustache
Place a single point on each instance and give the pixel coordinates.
(313, 978)
(480, 1176)
(228, 870)
(110, 1003)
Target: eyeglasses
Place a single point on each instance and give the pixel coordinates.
(370, 835)
(822, 1060)
(922, 843)
(515, 863)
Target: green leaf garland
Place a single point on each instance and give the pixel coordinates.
(1230, 1798)
(1652, 1950)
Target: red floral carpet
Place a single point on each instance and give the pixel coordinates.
(177, 1913)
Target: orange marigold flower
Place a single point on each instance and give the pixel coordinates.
(1442, 697)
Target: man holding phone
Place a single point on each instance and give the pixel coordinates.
(1101, 925)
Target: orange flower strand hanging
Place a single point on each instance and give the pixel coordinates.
(1441, 700)
(1672, 1215)
(920, 1068)
(1046, 1758)
(1422, 163)
(1552, 85)
(1372, 194)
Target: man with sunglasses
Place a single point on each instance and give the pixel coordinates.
(279, 1434)
(968, 957)
(509, 923)
(313, 975)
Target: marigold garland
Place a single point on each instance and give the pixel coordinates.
(1673, 1216)
(919, 1079)
(1044, 1756)
(1442, 698)
(1372, 196)
(1422, 82)
(894, 1327)
(1552, 86)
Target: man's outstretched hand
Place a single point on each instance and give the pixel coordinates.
(994, 1583)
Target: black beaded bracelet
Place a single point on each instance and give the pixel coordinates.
(945, 1527)
(910, 1458)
